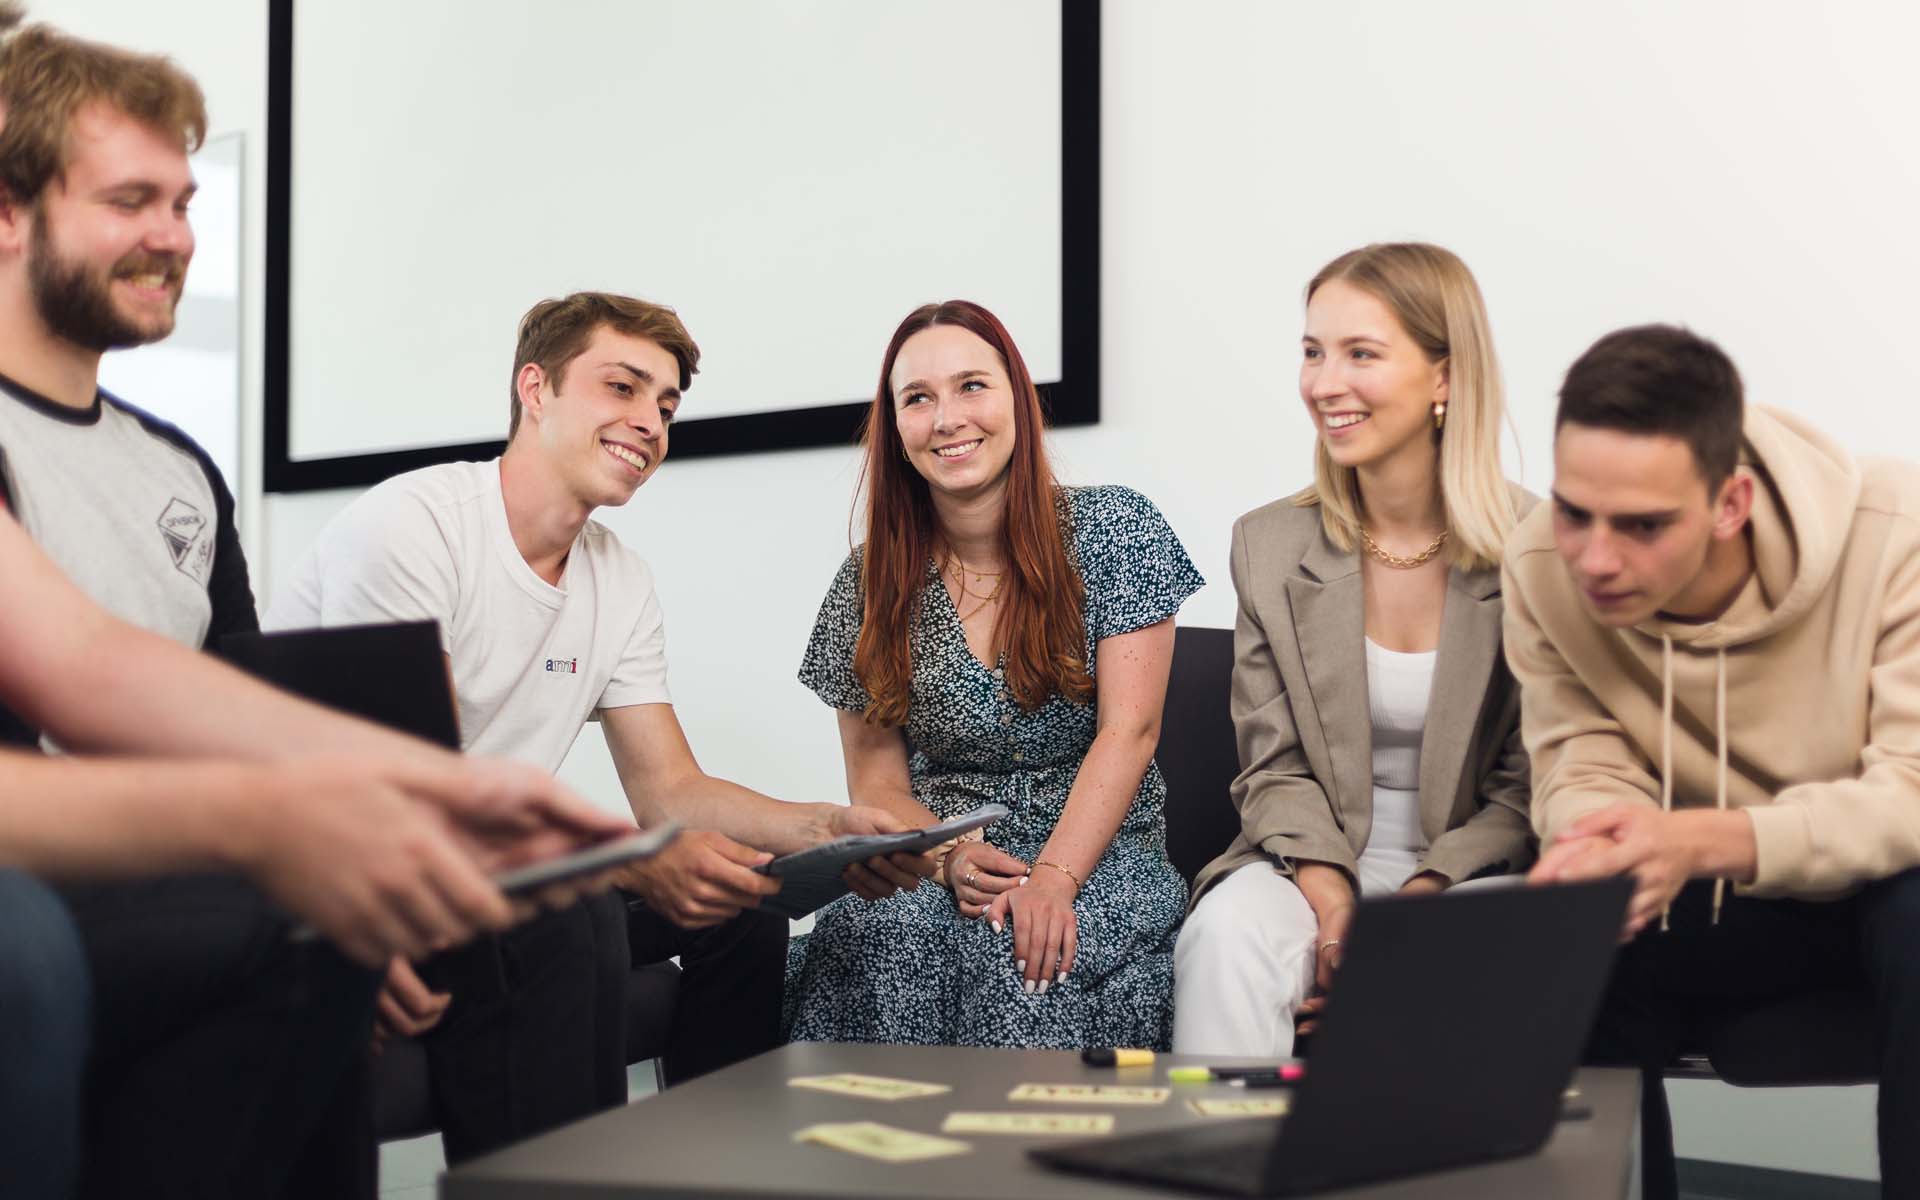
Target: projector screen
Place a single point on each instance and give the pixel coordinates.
(792, 177)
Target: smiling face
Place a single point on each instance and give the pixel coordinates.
(1368, 386)
(1634, 521)
(954, 410)
(110, 243)
(602, 426)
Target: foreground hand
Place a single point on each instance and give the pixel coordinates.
(979, 874)
(702, 878)
(1554, 861)
(1646, 843)
(350, 847)
(407, 1007)
(886, 874)
(511, 813)
(1044, 932)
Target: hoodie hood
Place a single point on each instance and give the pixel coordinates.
(1806, 488)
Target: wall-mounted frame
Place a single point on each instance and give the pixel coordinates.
(1072, 397)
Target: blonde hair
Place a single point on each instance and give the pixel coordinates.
(47, 76)
(1434, 297)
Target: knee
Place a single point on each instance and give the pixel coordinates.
(1214, 931)
(1223, 930)
(44, 983)
(1893, 920)
(747, 930)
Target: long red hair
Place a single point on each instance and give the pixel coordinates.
(1039, 629)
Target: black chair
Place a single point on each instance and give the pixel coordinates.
(1820, 1038)
(403, 1102)
(1197, 753)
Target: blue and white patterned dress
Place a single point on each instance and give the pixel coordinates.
(911, 969)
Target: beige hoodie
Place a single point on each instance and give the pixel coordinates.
(1800, 704)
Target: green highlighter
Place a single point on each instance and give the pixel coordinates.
(1279, 1073)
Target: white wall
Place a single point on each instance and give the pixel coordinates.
(1245, 144)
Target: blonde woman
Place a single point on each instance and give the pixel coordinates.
(1378, 724)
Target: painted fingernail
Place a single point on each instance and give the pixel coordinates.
(1043, 987)
(1023, 881)
(1060, 978)
(1021, 966)
(1028, 984)
(996, 927)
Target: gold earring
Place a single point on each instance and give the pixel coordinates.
(1439, 416)
(904, 456)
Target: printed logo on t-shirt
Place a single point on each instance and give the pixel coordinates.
(189, 539)
(563, 666)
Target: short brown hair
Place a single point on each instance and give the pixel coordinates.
(47, 76)
(1660, 380)
(555, 332)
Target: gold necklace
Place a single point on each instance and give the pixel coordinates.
(1399, 562)
(960, 577)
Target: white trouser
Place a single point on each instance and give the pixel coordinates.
(1245, 959)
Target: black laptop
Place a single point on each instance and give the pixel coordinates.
(394, 675)
(1453, 1028)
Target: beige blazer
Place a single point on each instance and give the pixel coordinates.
(1305, 788)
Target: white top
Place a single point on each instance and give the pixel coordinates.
(1398, 685)
(531, 661)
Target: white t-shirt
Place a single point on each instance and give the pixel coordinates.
(531, 661)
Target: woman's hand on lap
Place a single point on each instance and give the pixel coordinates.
(979, 874)
(1044, 932)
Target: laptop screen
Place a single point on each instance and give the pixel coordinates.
(394, 675)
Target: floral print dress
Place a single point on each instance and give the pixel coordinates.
(910, 969)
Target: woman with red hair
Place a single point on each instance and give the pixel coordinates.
(998, 638)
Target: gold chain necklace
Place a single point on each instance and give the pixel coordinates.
(1399, 562)
(985, 599)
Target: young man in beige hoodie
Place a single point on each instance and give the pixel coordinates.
(1716, 630)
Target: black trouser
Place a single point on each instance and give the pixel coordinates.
(730, 980)
(43, 1041)
(227, 1060)
(535, 1035)
(1667, 988)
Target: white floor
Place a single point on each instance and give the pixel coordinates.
(410, 1170)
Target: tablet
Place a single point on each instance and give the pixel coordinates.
(594, 859)
(811, 877)
(518, 881)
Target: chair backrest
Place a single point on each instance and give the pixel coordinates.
(1198, 754)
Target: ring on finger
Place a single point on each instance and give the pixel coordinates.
(972, 873)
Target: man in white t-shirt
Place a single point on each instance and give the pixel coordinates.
(548, 621)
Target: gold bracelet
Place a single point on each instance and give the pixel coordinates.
(1077, 885)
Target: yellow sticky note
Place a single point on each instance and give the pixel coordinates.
(868, 1087)
(869, 1139)
(1030, 1124)
(1263, 1106)
(1082, 1093)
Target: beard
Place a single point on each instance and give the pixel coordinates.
(76, 302)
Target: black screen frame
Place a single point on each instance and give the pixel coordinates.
(1073, 399)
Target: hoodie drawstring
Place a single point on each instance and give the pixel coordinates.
(1720, 744)
(1666, 747)
(1666, 739)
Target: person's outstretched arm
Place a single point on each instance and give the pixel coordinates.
(95, 682)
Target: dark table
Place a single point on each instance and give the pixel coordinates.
(730, 1135)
